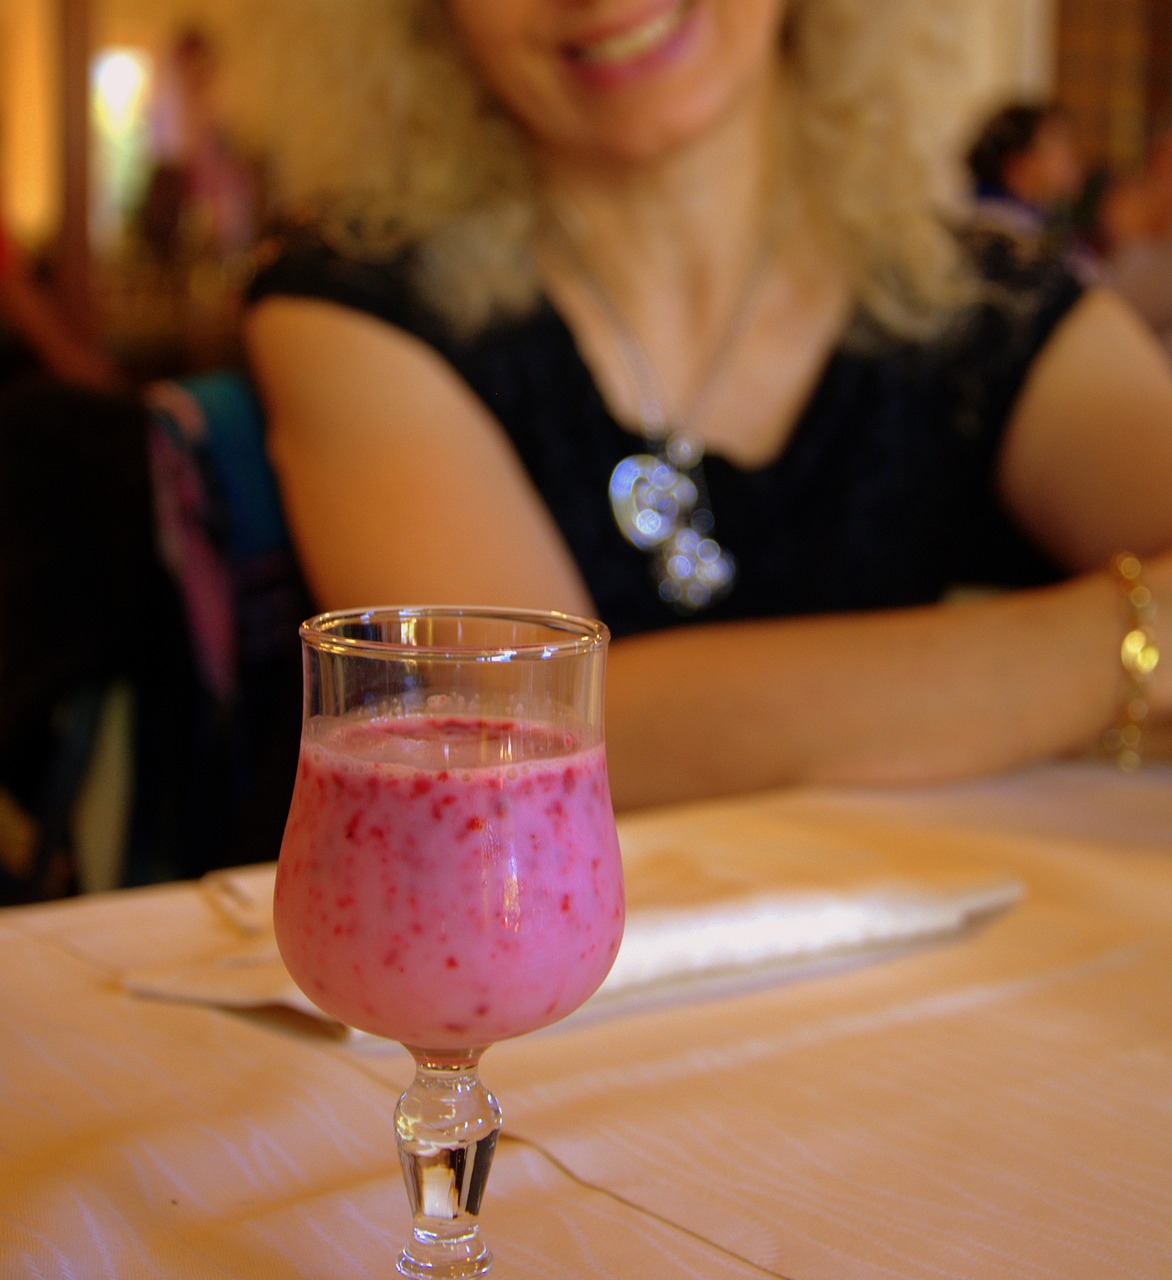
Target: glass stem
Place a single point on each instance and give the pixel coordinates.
(446, 1125)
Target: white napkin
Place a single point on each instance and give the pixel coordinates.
(668, 946)
(704, 941)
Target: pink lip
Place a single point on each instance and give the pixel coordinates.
(608, 75)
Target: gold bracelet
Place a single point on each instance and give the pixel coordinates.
(1139, 654)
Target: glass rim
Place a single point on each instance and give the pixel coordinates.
(570, 633)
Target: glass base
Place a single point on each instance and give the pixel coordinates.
(446, 1126)
(448, 1261)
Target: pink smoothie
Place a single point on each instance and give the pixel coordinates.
(429, 898)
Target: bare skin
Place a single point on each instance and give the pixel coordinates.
(400, 486)
(34, 315)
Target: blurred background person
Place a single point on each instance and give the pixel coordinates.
(116, 521)
(204, 197)
(202, 208)
(1129, 229)
(1027, 172)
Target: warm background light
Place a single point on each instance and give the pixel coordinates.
(120, 80)
(29, 118)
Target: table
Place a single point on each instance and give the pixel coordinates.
(996, 1105)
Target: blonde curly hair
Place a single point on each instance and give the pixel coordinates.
(437, 161)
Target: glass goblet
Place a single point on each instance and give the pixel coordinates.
(450, 873)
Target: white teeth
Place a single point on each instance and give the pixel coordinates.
(632, 44)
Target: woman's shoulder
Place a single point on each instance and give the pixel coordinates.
(1023, 290)
(1023, 279)
(300, 262)
(399, 286)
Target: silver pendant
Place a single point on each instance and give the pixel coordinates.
(650, 498)
(657, 508)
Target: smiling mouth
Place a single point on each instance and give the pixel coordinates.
(635, 42)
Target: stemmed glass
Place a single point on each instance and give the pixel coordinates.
(450, 873)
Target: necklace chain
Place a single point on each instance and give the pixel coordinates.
(660, 498)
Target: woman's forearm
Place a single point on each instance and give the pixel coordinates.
(44, 329)
(911, 695)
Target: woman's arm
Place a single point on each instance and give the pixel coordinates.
(912, 695)
(33, 315)
(400, 487)
(1087, 463)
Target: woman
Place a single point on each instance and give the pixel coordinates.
(636, 233)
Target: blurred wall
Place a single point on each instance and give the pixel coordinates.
(29, 118)
(1013, 46)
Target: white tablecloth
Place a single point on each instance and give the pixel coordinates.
(996, 1104)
